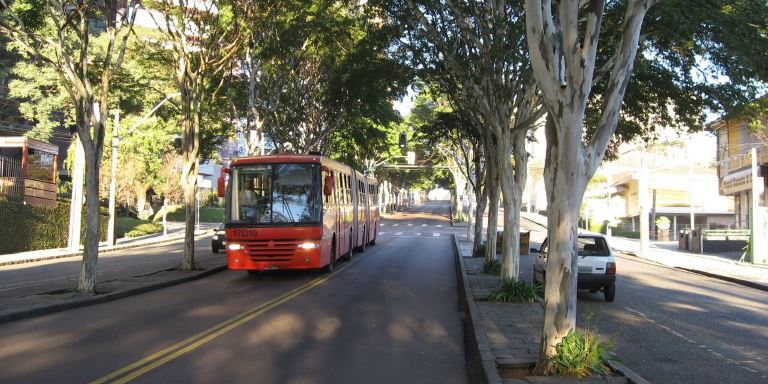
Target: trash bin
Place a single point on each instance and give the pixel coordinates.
(525, 242)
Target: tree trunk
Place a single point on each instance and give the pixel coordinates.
(87, 280)
(512, 189)
(190, 138)
(482, 204)
(492, 186)
(565, 179)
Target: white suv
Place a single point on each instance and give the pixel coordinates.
(597, 266)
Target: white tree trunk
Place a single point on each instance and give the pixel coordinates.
(492, 186)
(563, 60)
(87, 280)
(512, 183)
(565, 179)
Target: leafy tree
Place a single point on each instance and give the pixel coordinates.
(339, 78)
(58, 33)
(686, 59)
(201, 64)
(475, 52)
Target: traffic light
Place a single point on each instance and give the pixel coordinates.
(403, 141)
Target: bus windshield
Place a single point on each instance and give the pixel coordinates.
(275, 193)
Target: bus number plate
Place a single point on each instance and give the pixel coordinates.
(270, 267)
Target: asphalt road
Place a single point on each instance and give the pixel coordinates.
(673, 326)
(390, 315)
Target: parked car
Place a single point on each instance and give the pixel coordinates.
(597, 266)
(219, 239)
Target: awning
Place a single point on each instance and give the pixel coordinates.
(736, 182)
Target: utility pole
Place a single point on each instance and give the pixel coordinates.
(690, 190)
(113, 180)
(643, 202)
(756, 192)
(113, 176)
(76, 203)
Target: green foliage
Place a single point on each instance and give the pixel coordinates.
(480, 251)
(514, 290)
(178, 212)
(582, 353)
(492, 267)
(145, 228)
(662, 222)
(27, 228)
(625, 233)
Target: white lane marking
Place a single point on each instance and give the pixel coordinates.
(439, 225)
(382, 224)
(423, 225)
(436, 234)
(395, 225)
(410, 225)
(418, 234)
(398, 233)
(382, 233)
(704, 347)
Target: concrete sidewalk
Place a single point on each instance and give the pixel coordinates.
(724, 266)
(175, 232)
(58, 298)
(504, 338)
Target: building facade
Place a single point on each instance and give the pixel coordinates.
(735, 142)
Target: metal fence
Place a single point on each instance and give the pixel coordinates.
(11, 180)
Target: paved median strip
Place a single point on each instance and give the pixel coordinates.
(158, 359)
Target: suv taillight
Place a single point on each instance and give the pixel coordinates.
(610, 269)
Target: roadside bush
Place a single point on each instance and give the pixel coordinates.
(581, 354)
(146, 228)
(513, 290)
(480, 250)
(492, 267)
(28, 228)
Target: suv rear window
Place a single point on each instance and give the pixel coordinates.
(592, 246)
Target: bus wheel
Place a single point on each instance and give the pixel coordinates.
(348, 255)
(365, 242)
(329, 268)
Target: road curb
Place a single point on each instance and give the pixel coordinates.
(49, 309)
(480, 360)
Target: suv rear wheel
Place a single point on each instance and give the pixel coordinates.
(609, 293)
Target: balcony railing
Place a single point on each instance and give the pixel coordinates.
(11, 180)
(733, 162)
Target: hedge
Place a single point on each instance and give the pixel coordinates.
(28, 228)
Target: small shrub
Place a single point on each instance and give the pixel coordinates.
(492, 267)
(480, 250)
(513, 290)
(581, 354)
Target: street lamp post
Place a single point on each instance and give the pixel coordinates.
(113, 180)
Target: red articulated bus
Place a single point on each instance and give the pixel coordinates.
(296, 212)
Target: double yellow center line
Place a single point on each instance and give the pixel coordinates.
(149, 363)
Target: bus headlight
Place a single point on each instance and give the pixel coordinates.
(309, 245)
(234, 247)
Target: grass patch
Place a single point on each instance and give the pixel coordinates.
(513, 290)
(146, 228)
(492, 267)
(130, 227)
(480, 250)
(178, 213)
(582, 353)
